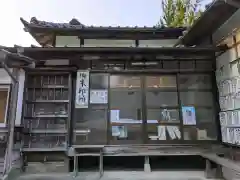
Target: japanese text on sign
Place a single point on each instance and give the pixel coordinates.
(82, 89)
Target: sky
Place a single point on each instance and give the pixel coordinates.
(88, 12)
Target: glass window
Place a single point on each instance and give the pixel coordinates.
(163, 133)
(125, 104)
(126, 124)
(187, 64)
(204, 65)
(163, 115)
(161, 82)
(98, 81)
(170, 64)
(4, 93)
(125, 82)
(161, 99)
(205, 115)
(89, 124)
(195, 82)
(207, 132)
(125, 98)
(196, 98)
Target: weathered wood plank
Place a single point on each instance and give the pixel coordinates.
(221, 161)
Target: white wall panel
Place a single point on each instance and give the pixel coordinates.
(108, 43)
(4, 77)
(157, 43)
(67, 41)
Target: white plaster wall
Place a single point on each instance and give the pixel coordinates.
(4, 77)
(157, 43)
(67, 41)
(21, 80)
(108, 43)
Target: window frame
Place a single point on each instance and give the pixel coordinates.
(5, 87)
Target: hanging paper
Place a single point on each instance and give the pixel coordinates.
(98, 96)
(161, 133)
(82, 89)
(114, 115)
(237, 135)
(171, 132)
(189, 115)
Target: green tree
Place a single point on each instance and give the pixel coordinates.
(179, 13)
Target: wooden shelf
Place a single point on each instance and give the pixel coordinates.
(47, 101)
(48, 131)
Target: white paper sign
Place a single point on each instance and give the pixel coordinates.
(82, 89)
(161, 132)
(237, 135)
(98, 96)
(189, 115)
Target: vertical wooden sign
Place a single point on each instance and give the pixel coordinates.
(82, 89)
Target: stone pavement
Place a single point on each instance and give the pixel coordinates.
(120, 175)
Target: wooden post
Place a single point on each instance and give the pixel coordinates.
(147, 167)
(75, 170)
(208, 169)
(101, 163)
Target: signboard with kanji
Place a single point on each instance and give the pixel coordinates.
(82, 89)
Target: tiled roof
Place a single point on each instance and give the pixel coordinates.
(44, 31)
(75, 24)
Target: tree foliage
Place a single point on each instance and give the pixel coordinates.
(179, 13)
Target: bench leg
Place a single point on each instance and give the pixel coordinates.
(219, 173)
(147, 167)
(75, 170)
(208, 170)
(101, 163)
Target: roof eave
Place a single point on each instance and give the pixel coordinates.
(218, 12)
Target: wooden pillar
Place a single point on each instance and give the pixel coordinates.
(147, 167)
(75, 170)
(101, 163)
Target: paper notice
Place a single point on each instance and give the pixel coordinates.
(223, 118)
(171, 132)
(224, 134)
(202, 134)
(161, 133)
(237, 135)
(114, 115)
(98, 96)
(177, 131)
(189, 115)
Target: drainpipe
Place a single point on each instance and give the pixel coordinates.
(12, 113)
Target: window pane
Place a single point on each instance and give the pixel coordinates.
(201, 132)
(170, 65)
(196, 98)
(98, 81)
(205, 115)
(126, 124)
(187, 65)
(162, 115)
(158, 99)
(161, 82)
(195, 82)
(124, 98)
(204, 65)
(125, 82)
(89, 124)
(163, 133)
(3, 104)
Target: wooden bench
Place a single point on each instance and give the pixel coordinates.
(211, 158)
(78, 153)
